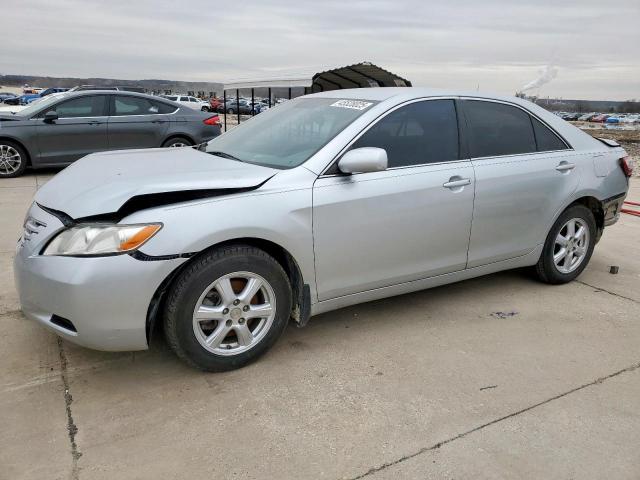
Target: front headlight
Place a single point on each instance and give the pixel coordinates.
(101, 239)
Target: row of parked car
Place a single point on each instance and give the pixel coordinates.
(632, 118)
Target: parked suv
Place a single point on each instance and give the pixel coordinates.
(62, 127)
(326, 201)
(189, 101)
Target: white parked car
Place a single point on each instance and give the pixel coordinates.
(189, 101)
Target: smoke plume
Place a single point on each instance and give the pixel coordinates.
(548, 73)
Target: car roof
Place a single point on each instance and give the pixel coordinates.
(385, 93)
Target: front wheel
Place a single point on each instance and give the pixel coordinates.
(227, 308)
(13, 159)
(568, 247)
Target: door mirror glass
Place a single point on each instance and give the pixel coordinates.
(363, 160)
(50, 116)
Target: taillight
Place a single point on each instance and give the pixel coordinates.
(627, 166)
(213, 121)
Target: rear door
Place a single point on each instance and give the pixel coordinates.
(81, 129)
(137, 122)
(524, 174)
(408, 222)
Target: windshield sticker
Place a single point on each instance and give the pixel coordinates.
(352, 104)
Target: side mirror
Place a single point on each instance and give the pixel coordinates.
(363, 160)
(51, 116)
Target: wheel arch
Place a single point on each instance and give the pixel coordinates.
(178, 135)
(301, 309)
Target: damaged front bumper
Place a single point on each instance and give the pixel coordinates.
(96, 302)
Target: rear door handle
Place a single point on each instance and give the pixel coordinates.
(457, 183)
(94, 122)
(565, 167)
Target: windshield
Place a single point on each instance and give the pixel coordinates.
(41, 104)
(289, 134)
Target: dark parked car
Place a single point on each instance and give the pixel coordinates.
(61, 128)
(6, 95)
(22, 99)
(243, 105)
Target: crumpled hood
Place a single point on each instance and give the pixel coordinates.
(101, 183)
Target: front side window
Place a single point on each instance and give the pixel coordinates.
(86, 106)
(416, 134)
(497, 129)
(290, 133)
(125, 105)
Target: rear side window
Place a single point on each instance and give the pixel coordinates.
(164, 107)
(498, 129)
(546, 140)
(173, 99)
(416, 134)
(86, 106)
(125, 105)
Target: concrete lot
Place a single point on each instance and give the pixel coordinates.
(497, 377)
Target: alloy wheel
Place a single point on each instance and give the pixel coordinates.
(571, 245)
(10, 160)
(234, 313)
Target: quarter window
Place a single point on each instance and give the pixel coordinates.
(85, 106)
(498, 129)
(418, 133)
(546, 140)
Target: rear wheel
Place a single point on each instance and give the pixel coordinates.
(227, 308)
(205, 109)
(568, 247)
(177, 142)
(230, 111)
(13, 159)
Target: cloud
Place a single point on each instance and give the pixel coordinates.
(497, 44)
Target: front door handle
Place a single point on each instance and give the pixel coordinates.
(94, 122)
(565, 167)
(462, 182)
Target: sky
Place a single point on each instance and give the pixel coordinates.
(591, 48)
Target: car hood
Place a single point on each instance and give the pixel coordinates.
(126, 180)
(10, 117)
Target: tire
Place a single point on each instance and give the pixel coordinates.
(177, 142)
(13, 159)
(198, 287)
(566, 270)
(230, 111)
(205, 109)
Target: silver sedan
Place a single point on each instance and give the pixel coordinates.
(325, 201)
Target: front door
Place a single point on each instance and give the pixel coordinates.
(81, 129)
(409, 222)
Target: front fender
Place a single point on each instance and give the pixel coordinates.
(281, 217)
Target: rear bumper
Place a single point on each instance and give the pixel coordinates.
(611, 207)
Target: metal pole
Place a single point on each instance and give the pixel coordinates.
(252, 103)
(238, 104)
(289, 93)
(269, 97)
(224, 108)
